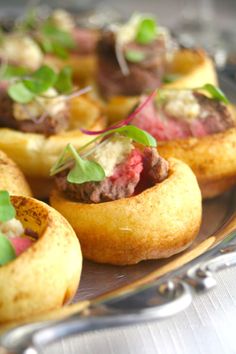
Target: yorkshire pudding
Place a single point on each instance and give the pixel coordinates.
(47, 274)
(12, 179)
(194, 69)
(157, 223)
(212, 159)
(36, 153)
(84, 66)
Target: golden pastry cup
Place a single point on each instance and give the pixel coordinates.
(157, 223)
(36, 153)
(83, 66)
(47, 274)
(212, 159)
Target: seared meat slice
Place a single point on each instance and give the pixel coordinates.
(126, 177)
(212, 117)
(154, 166)
(47, 126)
(143, 76)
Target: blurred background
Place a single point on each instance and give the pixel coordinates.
(195, 23)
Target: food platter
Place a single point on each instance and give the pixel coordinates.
(99, 279)
(102, 282)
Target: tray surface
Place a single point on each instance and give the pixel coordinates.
(98, 279)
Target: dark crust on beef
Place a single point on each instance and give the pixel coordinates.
(94, 192)
(143, 76)
(156, 170)
(46, 127)
(215, 115)
(155, 165)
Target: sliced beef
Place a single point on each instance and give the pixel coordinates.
(126, 178)
(155, 167)
(47, 126)
(214, 117)
(6, 111)
(143, 76)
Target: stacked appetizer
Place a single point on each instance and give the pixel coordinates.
(55, 40)
(139, 56)
(36, 243)
(81, 56)
(125, 202)
(41, 111)
(197, 126)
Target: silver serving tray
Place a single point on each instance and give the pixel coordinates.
(109, 296)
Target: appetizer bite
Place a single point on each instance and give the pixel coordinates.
(125, 202)
(139, 56)
(63, 42)
(197, 126)
(40, 112)
(82, 56)
(40, 258)
(132, 57)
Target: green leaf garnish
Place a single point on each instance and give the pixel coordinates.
(134, 56)
(24, 87)
(86, 170)
(41, 80)
(215, 93)
(82, 171)
(7, 252)
(169, 78)
(147, 31)
(59, 51)
(58, 35)
(55, 41)
(11, 72)
(64, 80)
(19, 93)
(138, 135)
(7, 211)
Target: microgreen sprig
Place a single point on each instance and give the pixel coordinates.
(140, 29)
(54, 40)
(25, 86)
(7, 251)
(215, 93)
(147, 31)
(50, 37)
(7, 212)
(134, 56)
(87, 170)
